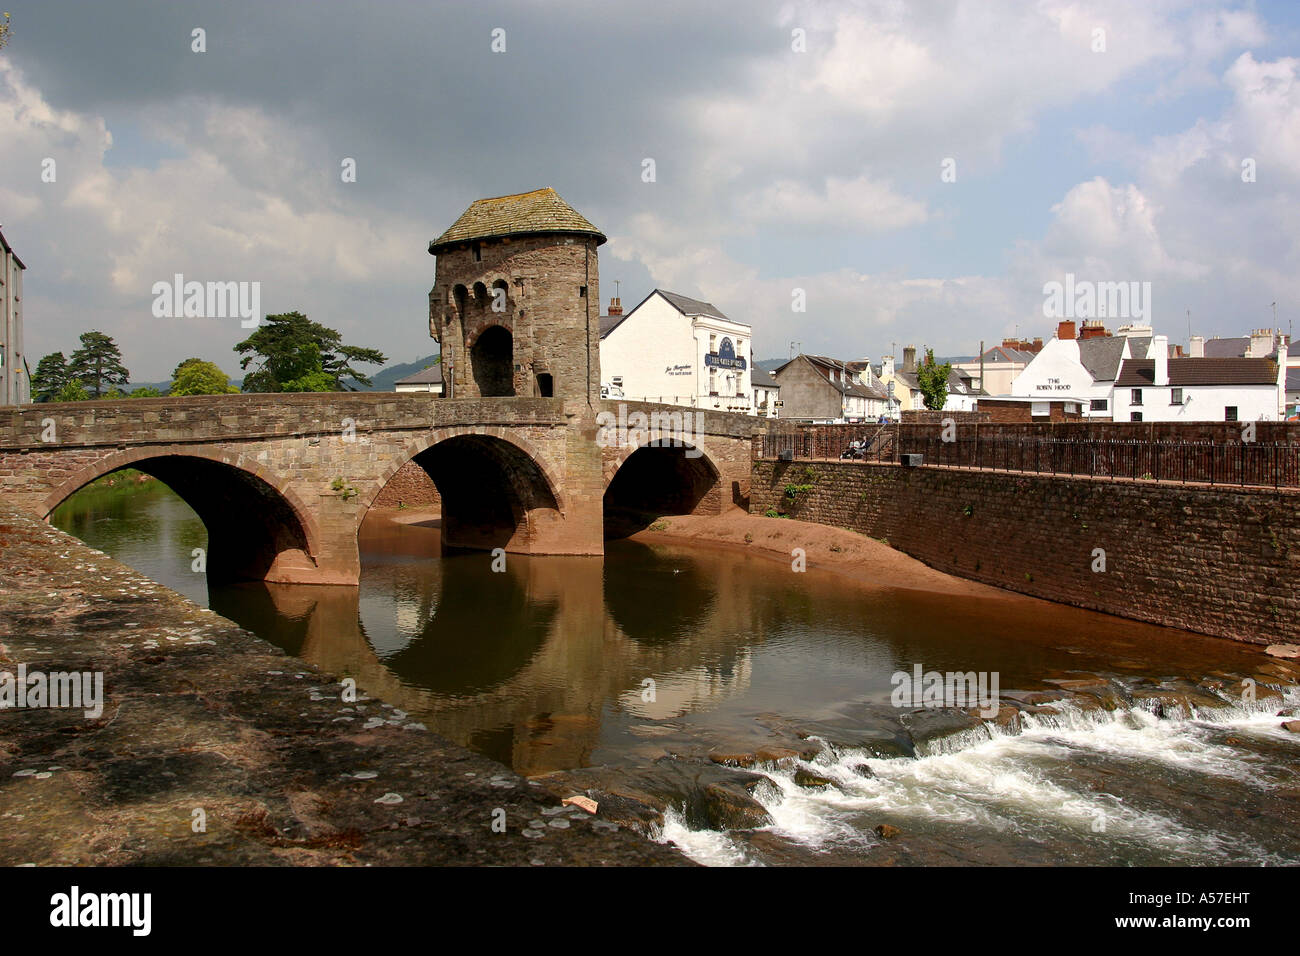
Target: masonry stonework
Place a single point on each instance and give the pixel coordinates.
(1208, 559)
(282, 482)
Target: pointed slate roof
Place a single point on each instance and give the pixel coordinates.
(539, 211)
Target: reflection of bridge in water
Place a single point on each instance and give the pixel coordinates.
(529, 664)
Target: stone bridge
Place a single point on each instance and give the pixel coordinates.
(283, 482)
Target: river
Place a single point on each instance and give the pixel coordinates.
(558, 663)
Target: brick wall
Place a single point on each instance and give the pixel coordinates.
(926, 416)
(411, 487)
(1211, 560)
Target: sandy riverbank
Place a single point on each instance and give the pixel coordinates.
(865, 560)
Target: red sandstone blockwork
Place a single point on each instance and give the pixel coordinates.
(1214, 560)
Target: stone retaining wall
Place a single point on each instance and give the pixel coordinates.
(1214, 560)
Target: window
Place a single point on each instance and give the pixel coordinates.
(1230, 413)
(1175, 396)
(713, 343)
(582, 292)
(1135, 416)
(545, 385)
(1136, 398)
(478, 253)
(1099, 404)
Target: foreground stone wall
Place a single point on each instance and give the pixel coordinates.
(1206, 559)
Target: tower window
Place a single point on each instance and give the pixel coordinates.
(582, 292)
(478, 253)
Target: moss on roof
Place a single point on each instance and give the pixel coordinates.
(541, 210)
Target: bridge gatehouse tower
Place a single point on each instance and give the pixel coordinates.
(515, 304)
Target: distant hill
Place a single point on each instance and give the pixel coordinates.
(385, 380)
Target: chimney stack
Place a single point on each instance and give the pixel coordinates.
(887, 367)
(1092, 329)
(909, 358)
(615, 306)
(1065, 330)
(1160, 352)
(1196, 346)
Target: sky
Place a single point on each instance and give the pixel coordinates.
(914, 173)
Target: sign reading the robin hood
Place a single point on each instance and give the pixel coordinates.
(725, 356)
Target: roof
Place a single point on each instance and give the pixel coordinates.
(540, 211)
(1293, 380)
(688, 306)
(825, 366)
(1138, 346)
(9, 249)
(429, 376)
(1101, 356)
(762, 378)
(682, 303)
(1138, 373)
(1000, 353)
(1227, 348)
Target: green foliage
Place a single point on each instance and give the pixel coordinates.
(933, 380)
(291, 353)
(772, 513)
(197, 377)
(49, 378)
(145, 391)
(4, 31)
(794, 491)
(98, 364)
(345, 490)
(72, 391)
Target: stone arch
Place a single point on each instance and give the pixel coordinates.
(494, 457)
(492, 360)
(504, 286)
(258, 528)
(657, 477)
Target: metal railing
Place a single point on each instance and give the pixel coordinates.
(1266, 464)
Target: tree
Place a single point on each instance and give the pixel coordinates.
(50, 377)
(145, 391)
(291, 353)
(197, 377)
(98, 363)
(4, 31)
(933, 380)
(72, 391)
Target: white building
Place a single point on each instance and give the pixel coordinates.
(767, 392)
(425, 380)
(1082, 370)
(676, 350)
(1163, 389)
(15, 383)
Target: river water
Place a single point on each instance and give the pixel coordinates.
(1134, 745)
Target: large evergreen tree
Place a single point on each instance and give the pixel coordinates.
(291, 353)
(49, 378)
(98, 364)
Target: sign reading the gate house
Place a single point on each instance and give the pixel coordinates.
(725, 357)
